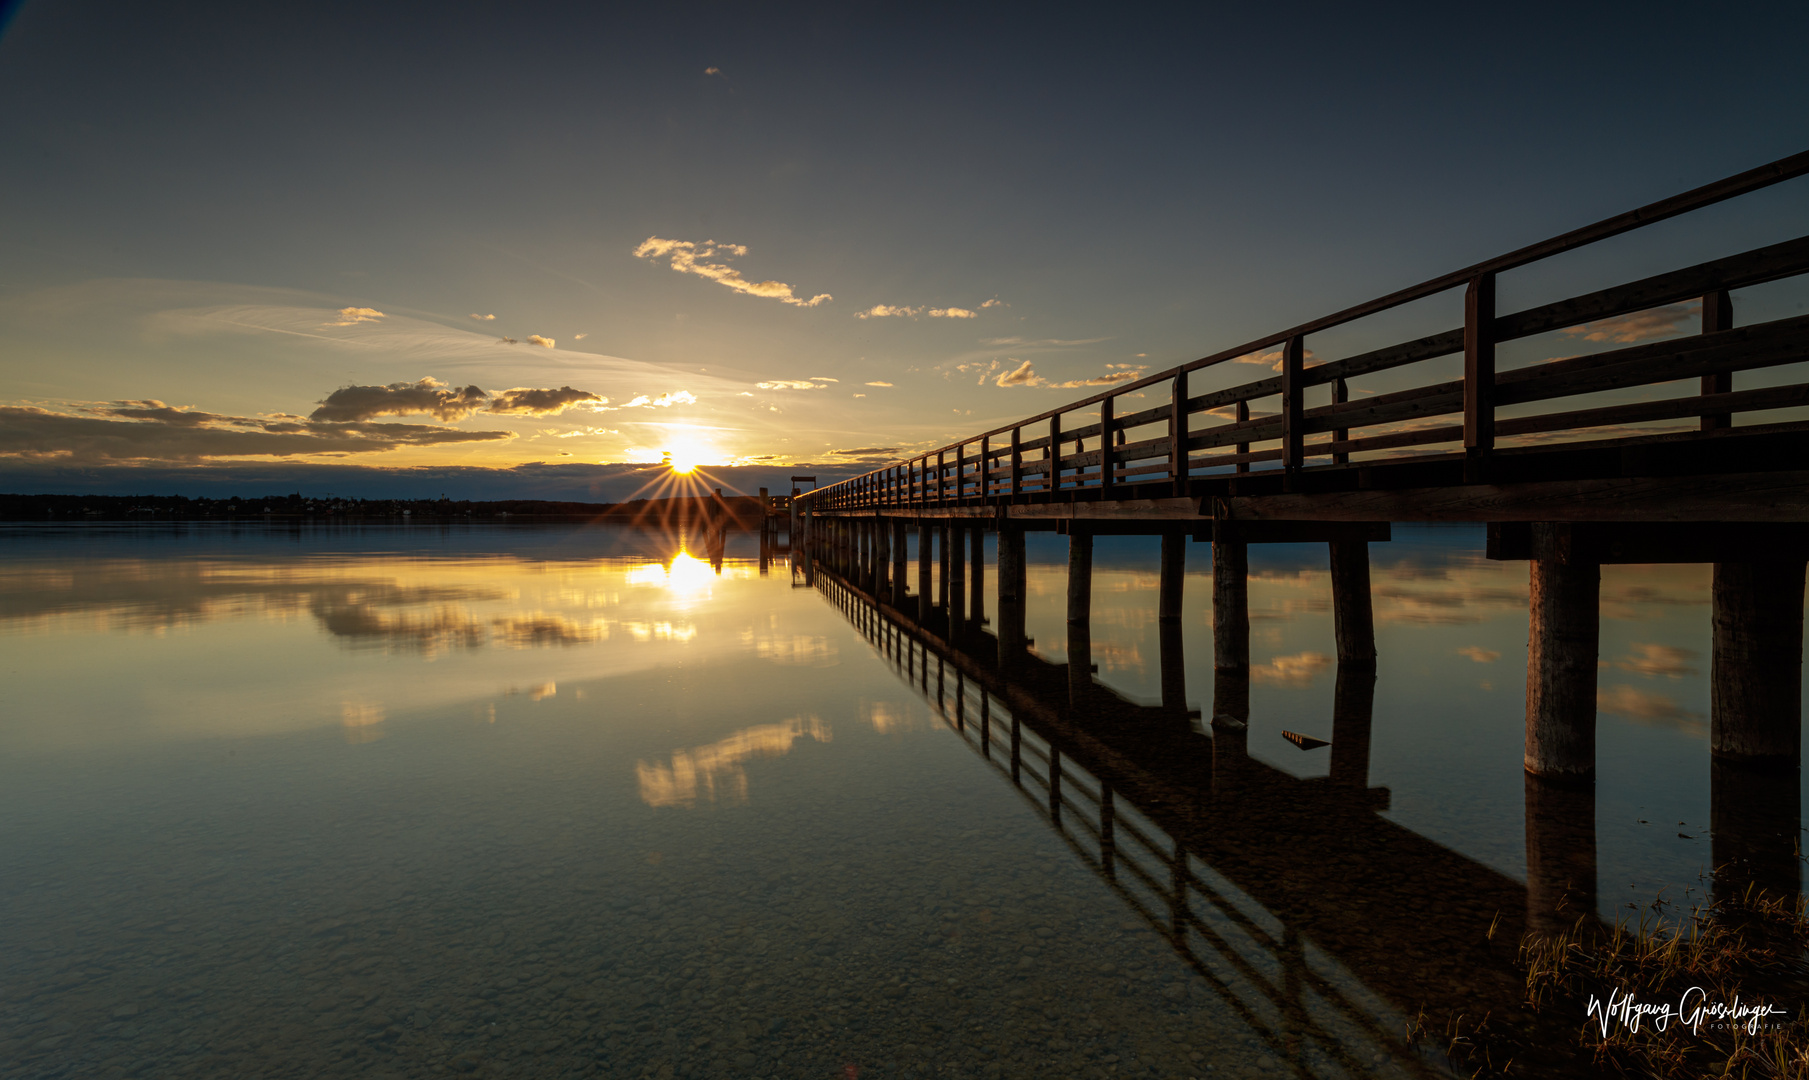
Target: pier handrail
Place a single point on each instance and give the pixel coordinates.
(995, 470)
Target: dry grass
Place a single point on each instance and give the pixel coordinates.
(1753, 949)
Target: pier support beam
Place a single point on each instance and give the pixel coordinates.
(901, 557)
(1080, 663)
(1562, 641)
(1230, 600)
(1754, 818)
(1756, 680)
(976, 579)
(942, 538)
(1174, 571)
(882, 559)
(1353, 706)
(1080, 576)
(954, 565)
(1353, 621)
(1560, 855)
(1174, 665)
(1012, 586)
(926, 538)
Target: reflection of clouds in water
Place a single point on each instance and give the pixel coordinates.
(432, 635)
(1479, 654)
(889, 718)
(542, 629)
(359, 720)
(1657, 660)
(1451, 606)
(1648, 603)
(1117, 656)
(1647, 707)
(811, 650)
(707, 771)
(1295, 671)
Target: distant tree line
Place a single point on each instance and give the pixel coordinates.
(732, 511)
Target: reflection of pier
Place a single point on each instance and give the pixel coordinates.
(1323, 925)
(1543, 452)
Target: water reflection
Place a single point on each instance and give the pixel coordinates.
(717, 771)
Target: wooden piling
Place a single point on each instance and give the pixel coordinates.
(925, 542)
(954, 564)
(1756, 671)
(1174, 570)
(1174, 665)
(1353, 621)
(1080, 663)
(976, 579)
(1011, 594)
(1562, 642)
(900, 561)
(942, 540)
(1230, 600)
(1080, 576)
(1560, 854)
(1353, 707)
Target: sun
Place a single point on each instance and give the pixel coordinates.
(682, 461)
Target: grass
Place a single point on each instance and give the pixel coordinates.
(1752, 948)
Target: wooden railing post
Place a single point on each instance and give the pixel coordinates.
(1243, 414)
(1293, 360)
(961, 474)
(1105, 444)
(1340, 395)
(1177, 434)
(1479, 376)
(1717, 315)
(1017, 462)
(1055, 451)
(985, 485)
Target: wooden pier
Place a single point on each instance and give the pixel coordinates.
(1544, 452)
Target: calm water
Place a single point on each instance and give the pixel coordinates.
(573, 802)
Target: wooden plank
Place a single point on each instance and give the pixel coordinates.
(1411, 352)
(1748, 268)
(1782, 341)
(1770, 397)
(1772, 496)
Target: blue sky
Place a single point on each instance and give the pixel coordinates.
(237, 212)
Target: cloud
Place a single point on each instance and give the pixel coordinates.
(178, 415)
(351, 316)
(823, 378)
(867, 450)
(1648, 325)
(531, 402)
(664, 401)
(579, 337)
(483, 318)
(689, 257)
(1025, 375)
(1270, 359)
(879, 384)
(712, 71)
(1656, 660)
(1296, 671)
(1049, 342)
(995, 302)
(789, 384)
(543, 342)
(1648, 708)
(889, 311)
(164, 434)
(1479, 654)
(428, 397)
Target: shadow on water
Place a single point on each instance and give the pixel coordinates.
(1341, 938)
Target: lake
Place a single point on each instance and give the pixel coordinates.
(574, 801)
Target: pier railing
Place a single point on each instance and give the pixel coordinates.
(1100, 448)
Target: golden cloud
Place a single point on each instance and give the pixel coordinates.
(689, 257)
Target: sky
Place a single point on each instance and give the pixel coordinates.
(387, 249)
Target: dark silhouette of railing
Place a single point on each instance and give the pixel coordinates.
(1153, 453)
(1254, 877)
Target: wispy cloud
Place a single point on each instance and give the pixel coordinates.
(1045, 342)
(580, 337)
(483, 318)
(664, 401)
(1479, 654)
(1296, 671)
(543, 342)
(1648, 708)
(879, 384)
(1270, 359)
(889, 311)
(689, 257)
(815, 382)
(1648, 325)
(1025, 375)
(1658, 660)
(351, 316)
(994, 302)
